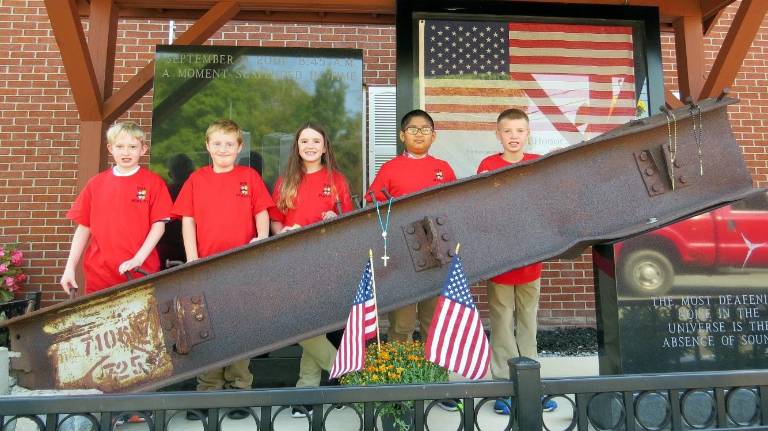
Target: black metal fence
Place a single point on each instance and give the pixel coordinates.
(712, 400)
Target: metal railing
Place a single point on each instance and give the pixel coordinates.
(643, 402)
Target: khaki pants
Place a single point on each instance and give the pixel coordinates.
(234, 376)
(317, 355)
(513, 323)
(402, 320)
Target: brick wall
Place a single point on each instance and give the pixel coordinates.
(39, 126)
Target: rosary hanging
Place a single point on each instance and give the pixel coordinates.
(671, 144)
(384, 225)
(698, 134)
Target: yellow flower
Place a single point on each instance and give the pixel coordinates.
(394, 362)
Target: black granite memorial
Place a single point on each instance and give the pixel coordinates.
(692, 296)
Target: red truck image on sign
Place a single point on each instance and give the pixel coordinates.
(730, 238)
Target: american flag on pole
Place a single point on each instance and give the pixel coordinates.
(456, 339)
(362, 325)
(574, 81)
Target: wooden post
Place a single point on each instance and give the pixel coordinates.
(689, 43)
(70, 37)
(734, 49)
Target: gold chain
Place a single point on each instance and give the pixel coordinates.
(671, 144)
(698, 134)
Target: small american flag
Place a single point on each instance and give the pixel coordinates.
(456, 338)
(362, 325)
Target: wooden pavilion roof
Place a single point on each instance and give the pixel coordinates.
(370, 11)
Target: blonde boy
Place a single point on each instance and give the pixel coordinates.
(223, 205)
(122, 211)
(513, 297)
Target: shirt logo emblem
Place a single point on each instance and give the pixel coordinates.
(244, 190)
(141, 194)
(438, 175)
(326, 191)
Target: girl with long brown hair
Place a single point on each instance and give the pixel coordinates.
(310, 189)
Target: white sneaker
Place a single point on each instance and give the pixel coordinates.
(301, 411)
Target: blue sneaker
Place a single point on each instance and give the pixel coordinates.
(549, 405)
(449, 405)
(503, 407)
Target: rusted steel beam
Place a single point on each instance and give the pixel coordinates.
(738, 40)
(172, 325)
(198, 33)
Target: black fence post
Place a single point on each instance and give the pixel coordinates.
(526, 376)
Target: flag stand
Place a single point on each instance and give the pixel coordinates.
(375, 300)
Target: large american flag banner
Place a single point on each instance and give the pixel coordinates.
(456, 339)
(362, 325)
(574, 81)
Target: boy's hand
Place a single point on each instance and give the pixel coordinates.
(328, 215)
(128, 265)
(68, 282)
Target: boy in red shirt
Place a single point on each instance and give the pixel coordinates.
(513, 297)
(410, 172)
(221, 206)
(122, 211)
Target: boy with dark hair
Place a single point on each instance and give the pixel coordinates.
(222, 206)
(513, 297)
(410, 172)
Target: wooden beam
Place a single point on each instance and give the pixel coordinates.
(341, 6)
(671, 100)
(92, 154)
(710, 8)
(734, 49)
(198, 33)
(710, 22)
(70, 37)
(689, 50)
(102, 41)
(310, 17)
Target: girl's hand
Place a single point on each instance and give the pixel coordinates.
(128, 265)
(287, 228)
(328, 215)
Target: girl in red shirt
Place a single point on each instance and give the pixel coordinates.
(310, 189)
